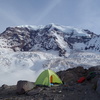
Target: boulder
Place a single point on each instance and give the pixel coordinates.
(4, 86)
(72, 75)
(79, 71)
(98, 86)
(68, 76)
(24, 86)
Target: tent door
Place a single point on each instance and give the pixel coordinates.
(51, 79)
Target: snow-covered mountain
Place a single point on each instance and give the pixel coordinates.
(93, 44)
(27, 50)
(49, 37)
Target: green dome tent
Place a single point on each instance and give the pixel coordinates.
(47, 78)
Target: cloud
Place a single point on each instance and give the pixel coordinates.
(47, 10)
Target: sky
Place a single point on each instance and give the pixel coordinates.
(83, 14)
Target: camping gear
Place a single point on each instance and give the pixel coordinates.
(91, 75)
(48, 78)
(82, 79)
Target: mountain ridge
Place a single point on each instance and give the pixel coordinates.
(25, 52)
(49, 37)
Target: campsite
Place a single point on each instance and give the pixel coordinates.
(49, 50)
(48, 78)
(70, 86)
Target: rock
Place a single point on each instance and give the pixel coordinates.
(68, 76)
(24, 86)
(71, 90)
(98, 86)
(7, 90)
(80, 71)
(34, 91)
(4, 86)
(72, 75)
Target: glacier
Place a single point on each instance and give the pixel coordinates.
(45, 46)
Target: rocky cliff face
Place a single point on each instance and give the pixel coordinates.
(93, 44)
(49, 37)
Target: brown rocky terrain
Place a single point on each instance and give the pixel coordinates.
(70, 90)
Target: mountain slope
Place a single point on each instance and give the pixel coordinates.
(49, 37)
(25, 51)
(94, 44)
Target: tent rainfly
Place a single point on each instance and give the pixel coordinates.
(47, 78)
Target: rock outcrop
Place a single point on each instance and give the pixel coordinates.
(70, 90)
(98, 86)
(24, 86)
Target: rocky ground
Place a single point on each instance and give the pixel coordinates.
(70, 90)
